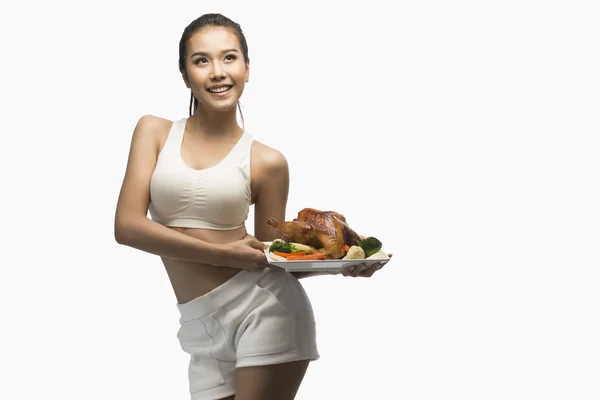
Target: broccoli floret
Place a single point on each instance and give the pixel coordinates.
(282, 247)
(370, 245)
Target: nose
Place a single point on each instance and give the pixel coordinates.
(217, 72)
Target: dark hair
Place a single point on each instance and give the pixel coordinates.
(203, 21)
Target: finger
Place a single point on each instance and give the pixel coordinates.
(258, 245)
(252, 240)
(265, 258)
(358, 270)
(371, 270)
(348, 270)
(262, 265)
(374, 268)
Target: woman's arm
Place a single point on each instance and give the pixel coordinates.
(271, 188)
(133, 228)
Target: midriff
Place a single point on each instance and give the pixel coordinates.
(191, 280)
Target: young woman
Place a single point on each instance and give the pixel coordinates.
(249, 328)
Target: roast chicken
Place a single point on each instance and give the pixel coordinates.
(326, 230)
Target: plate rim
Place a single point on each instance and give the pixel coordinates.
(330, 261)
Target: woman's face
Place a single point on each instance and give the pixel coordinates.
(215, 68)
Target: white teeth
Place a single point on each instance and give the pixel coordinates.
(219, 90)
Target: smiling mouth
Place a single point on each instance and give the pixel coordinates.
(220, 89)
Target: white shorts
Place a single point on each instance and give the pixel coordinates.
(255, 318)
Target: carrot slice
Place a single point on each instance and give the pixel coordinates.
(287, 255)
(315, 256)
(347, 248)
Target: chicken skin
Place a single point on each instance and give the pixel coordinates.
(326, 230)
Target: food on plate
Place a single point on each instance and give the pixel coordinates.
(355, 253)
(320, 235)
(280, 250)
(314, 256)
(282, 246)
(370, 245)
(325, 230)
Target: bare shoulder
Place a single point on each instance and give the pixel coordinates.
(269, 169)
(152, 131)
(147, 139)
(268, 158)
(270, 183)
(153, 125)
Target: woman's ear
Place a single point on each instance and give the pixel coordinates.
(247, 75)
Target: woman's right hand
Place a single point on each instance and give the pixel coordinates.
(247, 253)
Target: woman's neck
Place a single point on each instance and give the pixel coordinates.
(215, 123)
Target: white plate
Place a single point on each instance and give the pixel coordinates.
(322, 265)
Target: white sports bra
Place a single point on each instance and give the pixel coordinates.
(218, 197)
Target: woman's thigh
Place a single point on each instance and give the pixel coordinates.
(270, 382)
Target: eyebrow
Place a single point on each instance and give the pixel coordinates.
(202, 53)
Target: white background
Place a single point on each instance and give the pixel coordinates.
(463, 134)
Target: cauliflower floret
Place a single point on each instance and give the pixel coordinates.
(355, 253)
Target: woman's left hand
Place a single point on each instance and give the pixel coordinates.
(363, 270)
